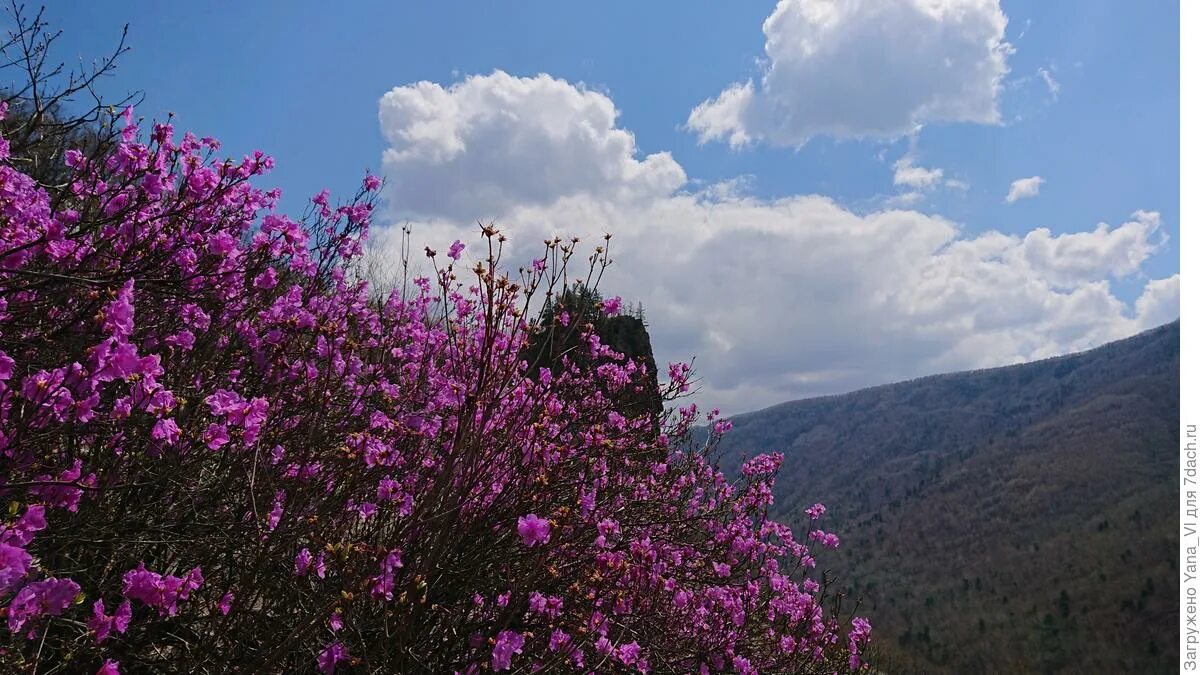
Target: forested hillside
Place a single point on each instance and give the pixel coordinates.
(1016, 519)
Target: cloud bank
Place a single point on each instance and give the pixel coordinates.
(777, 299)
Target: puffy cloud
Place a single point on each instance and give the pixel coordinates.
(488, 143)
(799, 296)
(852, 69)
(1024, 188)
(1072, 258)
(1159, 302)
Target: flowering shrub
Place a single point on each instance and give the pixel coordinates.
(212, 427)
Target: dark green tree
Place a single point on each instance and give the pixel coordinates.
(552, 342)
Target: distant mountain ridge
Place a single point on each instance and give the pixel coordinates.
(1015, 519)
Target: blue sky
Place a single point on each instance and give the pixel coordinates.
(1085, 97)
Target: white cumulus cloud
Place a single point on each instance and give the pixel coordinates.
(1159, 302)
(489, 143)
(1106, 251)
(1024, 188)
(777, 299)
(865, 69)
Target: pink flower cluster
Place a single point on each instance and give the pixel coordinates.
(163, 592)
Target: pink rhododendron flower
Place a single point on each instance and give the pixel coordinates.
(6, 366)
(63, 496)
(118, 315)
(742, 666)
(166, 431)
(303, 562)
(103, 625)
(533, 530)
(559, 640)
(508, 643)
(14, 566)
(628, 653)
(331, 656)
(384, 583)
(215, 436)
(276, 513)
(815, 511)
(40, 598)
(826, 539)
(857, 639)
(267, 279)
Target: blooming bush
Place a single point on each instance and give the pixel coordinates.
(212, 426)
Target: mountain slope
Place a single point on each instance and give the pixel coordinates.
(1017, 519)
